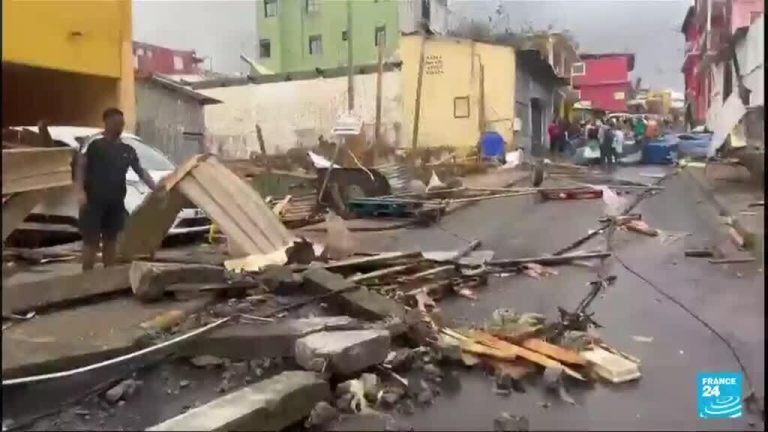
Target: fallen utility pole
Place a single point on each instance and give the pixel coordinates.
(549, 260)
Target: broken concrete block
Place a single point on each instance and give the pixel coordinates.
(269, 405)
(612, 367)
(276, 339)
(149, 279)
(281, 280)
(122, 391)
(342, 352)
(360, 302)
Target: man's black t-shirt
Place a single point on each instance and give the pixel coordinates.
(107, 163)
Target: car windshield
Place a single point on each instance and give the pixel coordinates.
(150, 158)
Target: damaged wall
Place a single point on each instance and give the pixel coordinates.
(450, 112)
(168, 121)
(295, 113)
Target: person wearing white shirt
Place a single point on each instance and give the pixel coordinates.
(618, 143)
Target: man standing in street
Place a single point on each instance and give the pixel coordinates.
(101, 189)
(554, 136)
(606, 145)
(639, 132)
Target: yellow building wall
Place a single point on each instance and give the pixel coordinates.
(452, 69)
(87, 43)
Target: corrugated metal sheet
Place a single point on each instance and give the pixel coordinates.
(237, 209)
(398, 177)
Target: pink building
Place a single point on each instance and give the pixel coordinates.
(725, 18)
(149, 59)
(602, 80)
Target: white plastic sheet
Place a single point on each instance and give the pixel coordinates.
(319, 161)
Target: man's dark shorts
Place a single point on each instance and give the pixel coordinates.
(102, 220)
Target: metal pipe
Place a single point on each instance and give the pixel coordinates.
(350, 65)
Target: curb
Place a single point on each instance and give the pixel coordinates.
(709, 193)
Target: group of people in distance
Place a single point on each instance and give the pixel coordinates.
(605, 138)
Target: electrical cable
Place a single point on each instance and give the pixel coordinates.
(694, 315)
(609, 246)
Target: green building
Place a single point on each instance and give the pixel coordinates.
(300, 35)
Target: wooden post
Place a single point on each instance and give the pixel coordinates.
(263, 148)
(350, 62)
(481, 115)
(379, 78)
(417, 107)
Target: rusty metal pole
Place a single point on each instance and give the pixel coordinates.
(417, 107)
(379, 78)
(350, 62)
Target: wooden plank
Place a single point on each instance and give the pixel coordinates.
(516, 369)
(381, 272)
(554, 351)
(248, 234)
(148, 224)
(20, 295)
(17, 207)
(36, 168)
(522, 352)
(278, 233)
(279, 207)
(193, 190)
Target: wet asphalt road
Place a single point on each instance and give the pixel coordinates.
(729, 298)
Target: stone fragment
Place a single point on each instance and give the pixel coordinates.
(370, 386)
(272, 404)
(206, 361)
(342, 352)
(321, 415)
(272, 340)
(122, 391)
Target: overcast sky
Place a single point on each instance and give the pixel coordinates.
(650, 29)
(219, 29)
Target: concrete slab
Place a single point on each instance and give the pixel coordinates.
(343, 352)
(269, 405)
(257, 340)
(83, 335)
(56, 283)
(356, 302)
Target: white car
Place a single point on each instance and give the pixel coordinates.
(62, 209)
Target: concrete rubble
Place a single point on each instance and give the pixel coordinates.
(268, 405)
(342, 352)
(366, 328)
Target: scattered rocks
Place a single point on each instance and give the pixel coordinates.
(504, 384)
(399, 360)
(206, 361)
(510, 423)
(389, 398)
(370, 386)
(406, 407)
(122, 391)
(281, 280)
(425, 397)
(321, 415)
(432, 371)
(344, 403)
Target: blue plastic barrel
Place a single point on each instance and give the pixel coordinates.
(657, 152)
(491, 145)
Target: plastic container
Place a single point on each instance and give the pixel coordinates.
(657, 152)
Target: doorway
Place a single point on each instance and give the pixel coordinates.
(537, 128)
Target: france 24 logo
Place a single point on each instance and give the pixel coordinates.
(719, 394)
